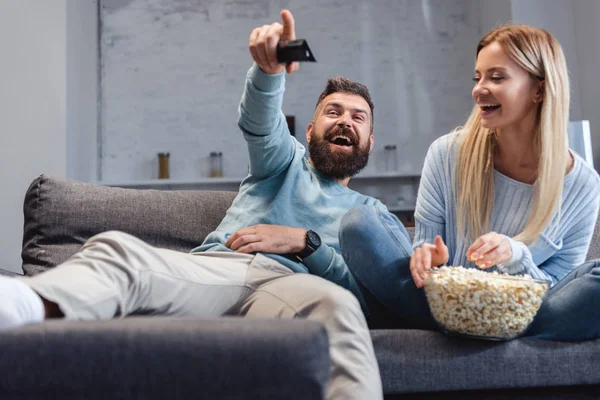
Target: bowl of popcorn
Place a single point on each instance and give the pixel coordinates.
(484, 305)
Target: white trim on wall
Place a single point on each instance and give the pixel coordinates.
(82, 89)
(32, 109)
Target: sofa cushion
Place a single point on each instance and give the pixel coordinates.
(165, 358)
(424, 361)
(60, 215)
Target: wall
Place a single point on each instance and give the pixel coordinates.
(82, 89)
(153, 91)
(172, 74)
(574, 24)
(47, 103)
(32, 108)
(557, 18)
(587, 40)
(494, 13)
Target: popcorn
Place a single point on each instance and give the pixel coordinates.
(479, 303)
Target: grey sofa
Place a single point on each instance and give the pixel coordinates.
(230, 358)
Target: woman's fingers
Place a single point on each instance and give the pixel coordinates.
(415, 266)
(481, 246)
(489, 259)
(426, 265)
(499, 254)
(441, 252)
(421, 263)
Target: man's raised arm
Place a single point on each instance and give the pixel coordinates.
(270, 146)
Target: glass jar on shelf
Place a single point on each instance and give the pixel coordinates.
(163, 165)
(390, 157)
(216, 164)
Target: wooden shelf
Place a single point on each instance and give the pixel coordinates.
(386, 175)
(227, 181)
(160, 183)
(406, 208)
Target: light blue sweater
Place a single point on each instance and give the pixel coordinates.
(561, 247)
(283, 188)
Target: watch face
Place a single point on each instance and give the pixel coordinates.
(313, 238)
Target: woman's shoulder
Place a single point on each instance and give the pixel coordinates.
(445, 144)
(583, 176)
(440, 160)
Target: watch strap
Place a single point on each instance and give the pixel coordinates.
(311, 245)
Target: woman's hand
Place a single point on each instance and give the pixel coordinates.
(426, 257)
(490, 249)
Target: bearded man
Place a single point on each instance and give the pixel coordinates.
(275, 254)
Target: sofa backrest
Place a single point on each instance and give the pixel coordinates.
(60, 215)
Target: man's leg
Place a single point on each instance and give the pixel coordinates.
(571, 309)
(354, 369)
(377, 250)
(116, 274)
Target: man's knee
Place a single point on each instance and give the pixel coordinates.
(596, 267)
(337, 300)
(114, 244)
(355, 222)
(112, 239)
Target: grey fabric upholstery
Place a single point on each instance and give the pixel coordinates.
(424, 361)
(60, 215)
(594, 251)
(460, 363)
(165, 358)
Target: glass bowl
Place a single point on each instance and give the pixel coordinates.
(483, 305)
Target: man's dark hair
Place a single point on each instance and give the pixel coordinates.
(339, 84)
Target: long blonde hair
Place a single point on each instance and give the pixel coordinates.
(538, 53)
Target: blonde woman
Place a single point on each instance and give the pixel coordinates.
(502, 193)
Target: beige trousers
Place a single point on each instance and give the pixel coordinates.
(116, 274)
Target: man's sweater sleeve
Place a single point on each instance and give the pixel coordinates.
(270, 146)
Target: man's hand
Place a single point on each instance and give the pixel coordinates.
(275, 239)
(426, 257)
(263, 44)
(490, 249)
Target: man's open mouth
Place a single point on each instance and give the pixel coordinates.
(341, 140)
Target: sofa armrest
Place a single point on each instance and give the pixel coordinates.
(165, 358)
(61, 214)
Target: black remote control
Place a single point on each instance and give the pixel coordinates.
(294, 50)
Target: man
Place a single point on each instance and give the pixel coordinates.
(285, 219)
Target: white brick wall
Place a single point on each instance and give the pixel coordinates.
(172, 76)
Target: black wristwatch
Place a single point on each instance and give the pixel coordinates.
(313, 241)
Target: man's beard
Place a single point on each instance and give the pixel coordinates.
(338, 164)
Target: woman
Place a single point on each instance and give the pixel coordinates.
(502, 193)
